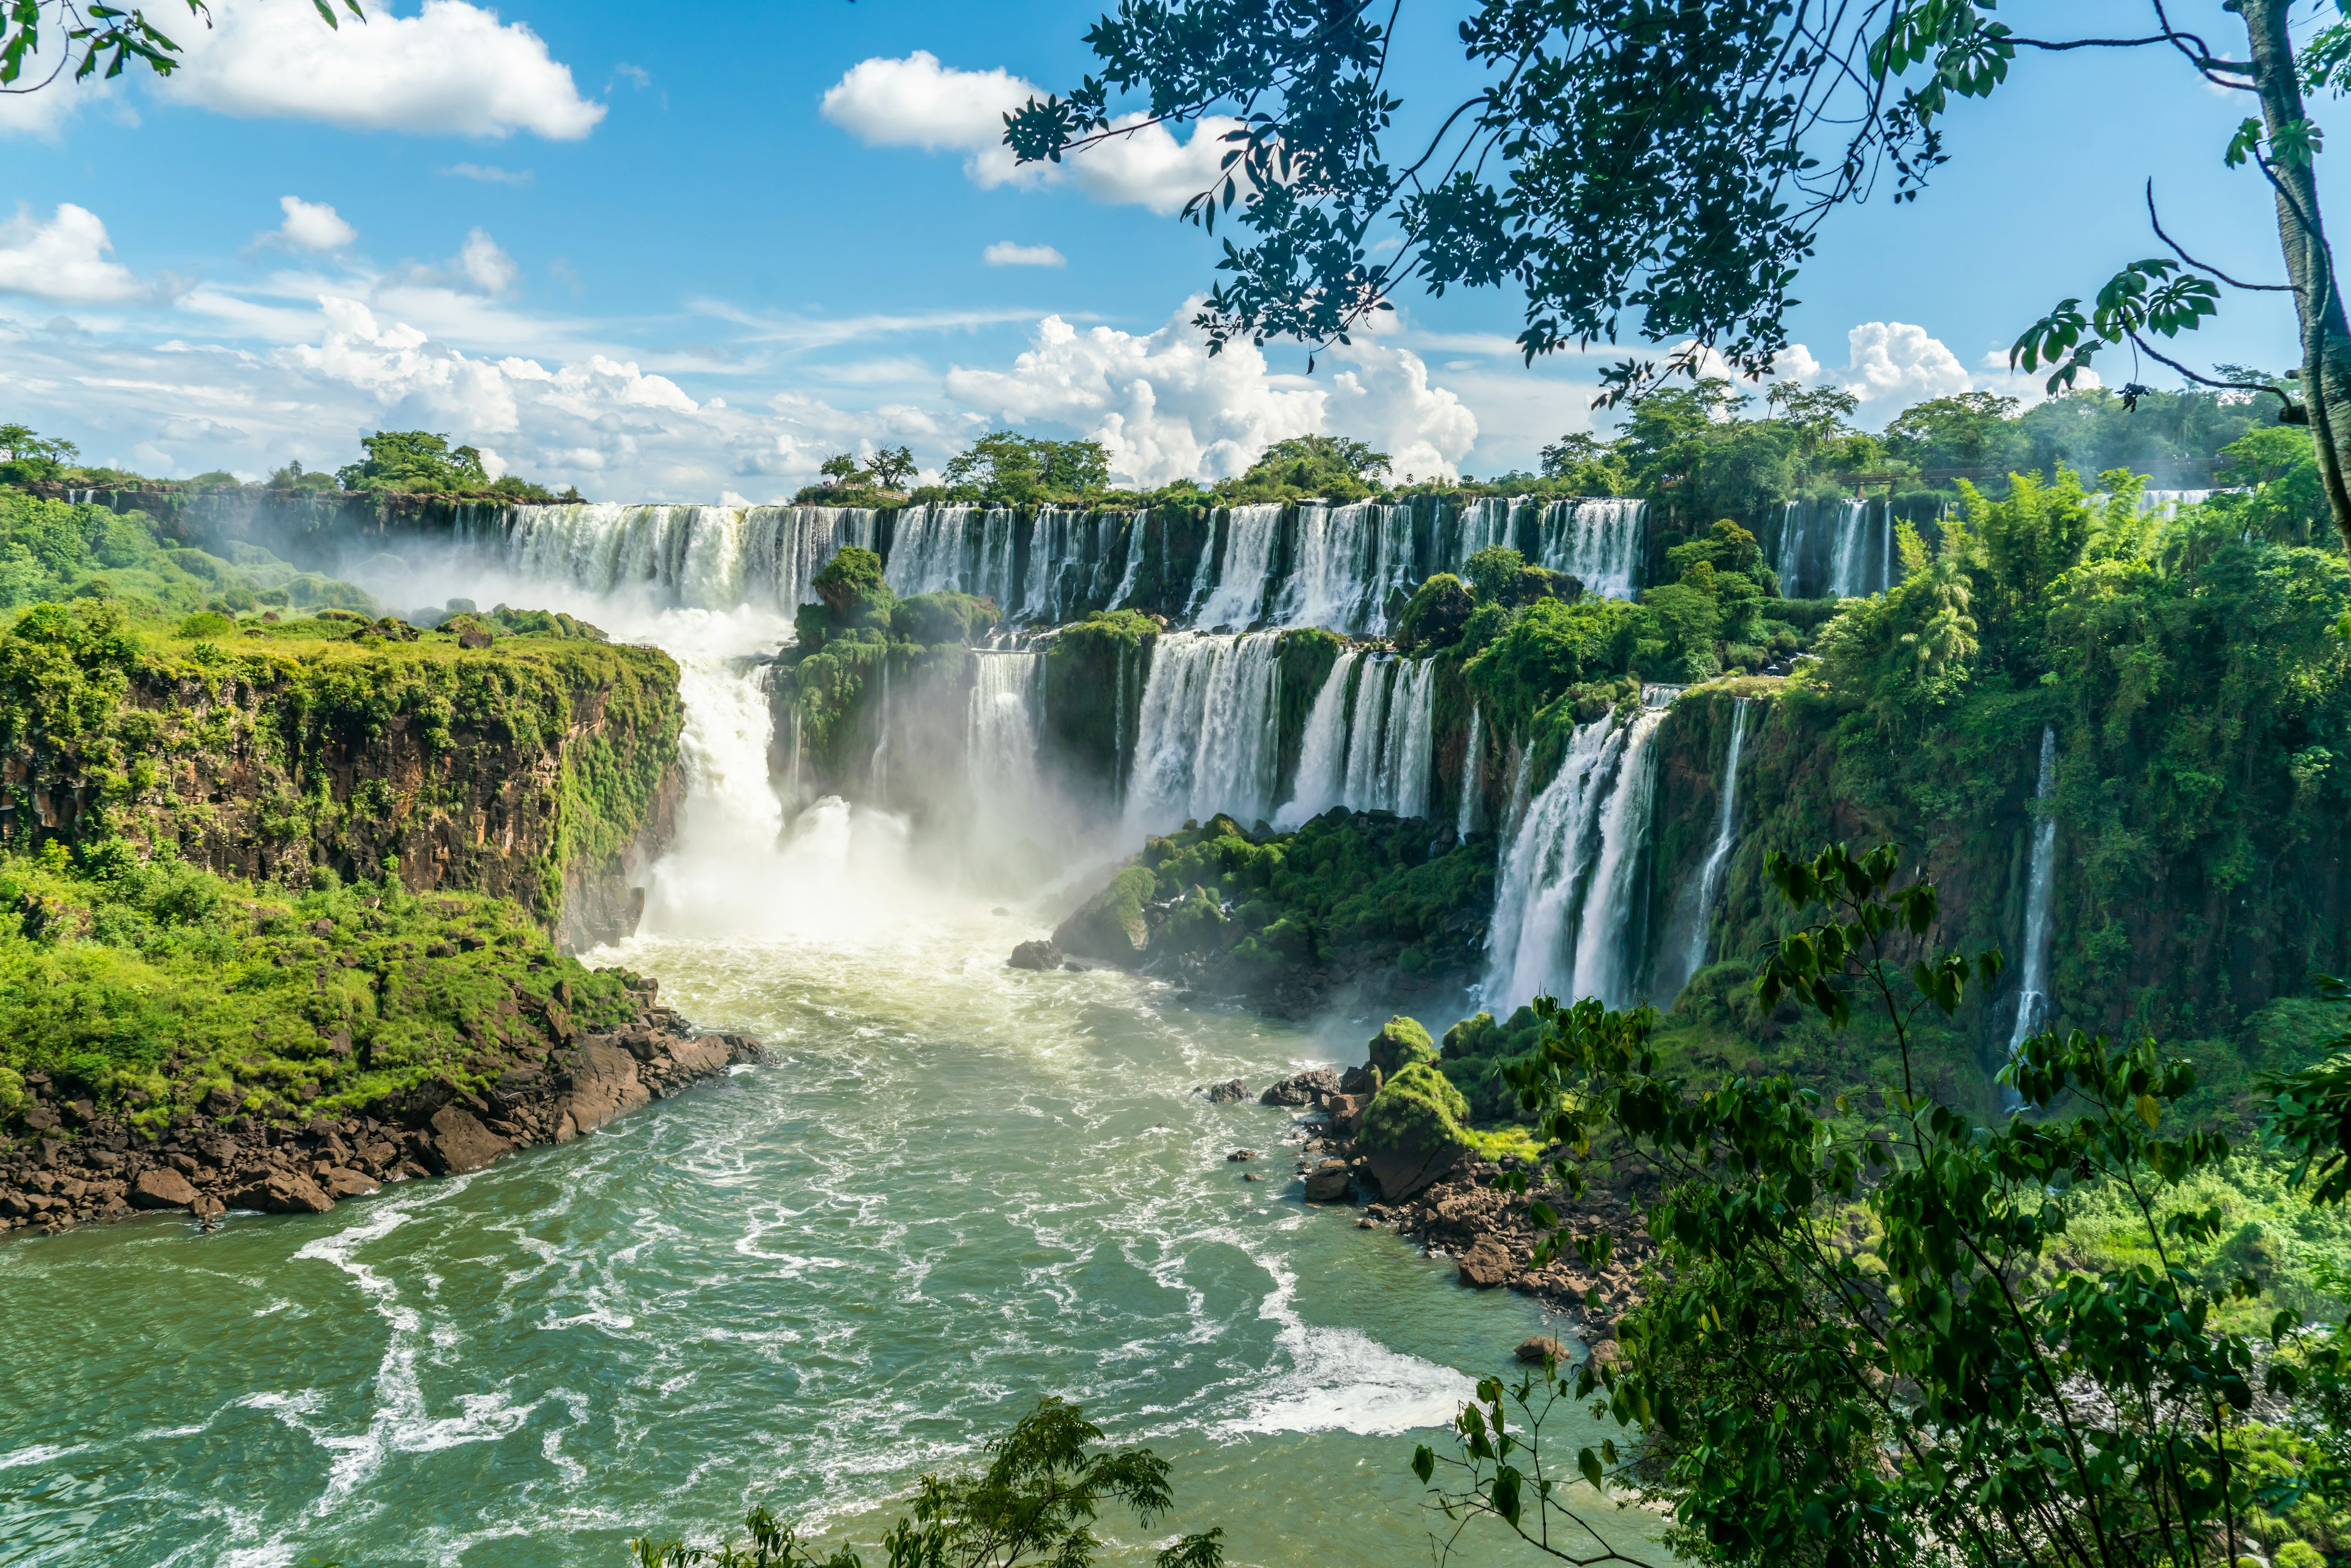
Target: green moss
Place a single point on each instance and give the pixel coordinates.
(932, 618)
(1414, 1114)
(1401, 1043)
(1303, 658)
(149, 987)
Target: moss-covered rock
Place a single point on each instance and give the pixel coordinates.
(1416, 1130)
(932, 618)
(1115, 925)
(1401, 1043)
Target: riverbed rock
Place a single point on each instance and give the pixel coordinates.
(1400, 1042)
(1328, 1182)
(1038, 957)
(1242, 1154)
(340, 1183)
(1415, 1132)
(1347, 1111)
(161, 1188)
(1538, 1348)
(1113, 924)
(281, 1192)
(604, 1085)
(1301, 1090)
(1487, 1265)
(1231, 1091)
(456, 1141)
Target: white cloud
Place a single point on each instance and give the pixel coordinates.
(44, 111)
(451, 69)
(1004, 253)
(1889, 365)
(1166, 409)
(918, 102)
(312, 226)
(64, 259)
(490, 173)
(490, 268)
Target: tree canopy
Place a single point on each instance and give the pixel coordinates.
(1658, 171)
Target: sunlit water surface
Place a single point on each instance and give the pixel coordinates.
(954, 1188)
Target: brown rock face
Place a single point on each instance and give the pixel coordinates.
(1328, 1183)
(1487, 1265)
(1541, 1348)
(339, 1183)
(162, 1188)
(604, 1085)
(282, 1192)
(456, 1141)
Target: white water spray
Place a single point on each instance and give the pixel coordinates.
(2032, 980)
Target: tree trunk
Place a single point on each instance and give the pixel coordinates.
(2309, 266)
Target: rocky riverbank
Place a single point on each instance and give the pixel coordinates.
(1447, 1200)
(553, 1092)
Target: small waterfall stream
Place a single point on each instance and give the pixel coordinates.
(1369, 743)
(1204, 737)
(1473, 774)
(1564, 916)
(1694, 913)
(2033, 977)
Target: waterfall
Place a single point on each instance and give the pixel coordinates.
(1321, 779)
(1125, 589)
(1347, 559)
(2032, 980)
(1851, 571)
(1473, 774)
(926, 549)
(1695, 916)
(1388, 754)
(1847, 557)
(1204, 737)
(1250, 535)
(1599, 541)
(1484, 524)
(995, 578)
(1000, 731)
(1563, 916)
(705, 558)
(1411, 723)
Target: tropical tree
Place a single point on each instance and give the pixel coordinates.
(1661, 170)
(98, 35)
(891, 468)
(25, 456)
(1868, 1341)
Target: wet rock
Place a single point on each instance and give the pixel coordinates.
(604, 1084)
(456, 1141)
(1328, 1183)
(339, 1183)
(1304, 1089)
(162, 1188)
(1039, 956)
(1364, 1081)
(1346, 1113)
(1538, 1348)
(1487, 1265)
(701, 1056)
(1231, 1091)
(1242, 1154)
(281, 1192)
(1252, 1176)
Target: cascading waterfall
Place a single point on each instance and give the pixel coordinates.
(926, 549)
(1694, 919)
(1369, 741)
(1863, 551)
(1563, 921)
(705, 558)
(2033, 979)
(1597, 541)
(1251, 536)
(1348, 558)
(1486, 523)
(1473, 774)
(1204, 734)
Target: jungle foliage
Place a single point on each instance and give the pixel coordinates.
(1872, 1337)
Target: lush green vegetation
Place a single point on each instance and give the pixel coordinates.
(158, 991)
(1036, 1502)
(392, 463)
(420, 462)
(1881, 1329)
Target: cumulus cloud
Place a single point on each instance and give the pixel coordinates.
(1166, 409)
(43, 113)
(1004, 253)
(452, 69)
(490, 173)
(919, 102)
(311, 225)
(64, 259)
(1889, 365)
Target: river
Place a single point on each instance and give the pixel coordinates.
(953, 1188)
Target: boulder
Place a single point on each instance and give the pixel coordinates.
(1242, 1154)
(1231, 1091)
(1304, 1089)
(1346, 1113)
(456, 1141)
(1539, 1348)
(604, 1085)
(161, 1188)
(1400, 1042)
(1328, 1182)
(1364, 1081)
(281, 1192)
(1487, 1264)
(473, 635)
(207, 1207)
(1415, 1131)
(1039, 957)
(1112, 925)
(340, 1183)
(700, 1056)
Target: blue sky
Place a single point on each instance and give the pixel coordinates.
(658, 264)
